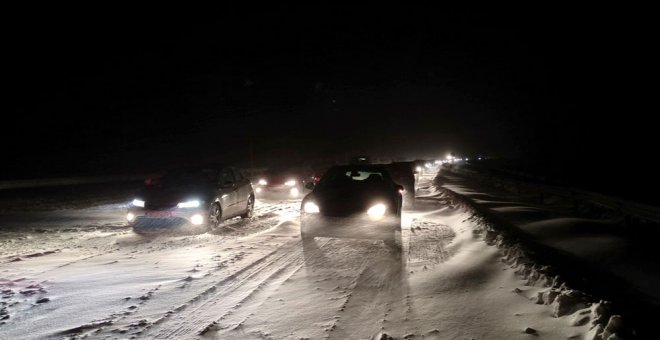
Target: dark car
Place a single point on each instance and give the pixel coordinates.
(353, 201)
(193, 196)
(282, 183)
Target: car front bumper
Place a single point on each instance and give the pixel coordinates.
(166, 218)
(357, 226)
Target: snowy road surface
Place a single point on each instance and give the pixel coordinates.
(83, 272)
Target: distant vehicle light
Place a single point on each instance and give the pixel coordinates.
(197, 219)
(130, 217)
(419, 169)
(294, 192)
(188, 204)
(466, 159)
(290, 182)
(257, 190)
(263, 182)
(311, 208)
(428, 165)
(138, 203)
(377, 211)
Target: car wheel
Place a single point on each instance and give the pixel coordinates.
(249, 210)
(215, 215)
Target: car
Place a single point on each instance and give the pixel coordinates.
(282, 183)
(353, 201)
(195, 196)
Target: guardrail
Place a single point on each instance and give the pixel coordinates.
(627, 209)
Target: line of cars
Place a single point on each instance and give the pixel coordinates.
(354, 201)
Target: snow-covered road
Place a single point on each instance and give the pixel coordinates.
(72, 273)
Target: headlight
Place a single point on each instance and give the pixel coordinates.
(188, 204)
(257, 190)
(263, 182)
(377, 211)
(197, 219)
(138, 203)
(294, 192)
(311, 208)
(130, 217)
(290, 182)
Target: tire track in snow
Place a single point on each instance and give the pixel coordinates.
(376, 287)
(257, 299)
(192, 317)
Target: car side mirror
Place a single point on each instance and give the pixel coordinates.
(310, 185)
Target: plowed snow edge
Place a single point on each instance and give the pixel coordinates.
(606, 320)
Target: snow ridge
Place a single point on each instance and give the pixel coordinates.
(605, 322)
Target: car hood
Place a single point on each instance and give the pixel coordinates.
(170, 196)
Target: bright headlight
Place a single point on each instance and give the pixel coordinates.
(294, 192)
(197, 219)
(262, 182)
(130, 217)
(311, 208)
(377, 211)
(290, 182)
(138, 203)
(188, 204)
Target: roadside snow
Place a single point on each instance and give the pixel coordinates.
(595, 247)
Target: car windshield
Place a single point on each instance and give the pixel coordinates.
(348, 176)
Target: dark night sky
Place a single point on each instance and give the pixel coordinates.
(119, 93)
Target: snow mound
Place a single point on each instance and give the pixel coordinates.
(580, 307)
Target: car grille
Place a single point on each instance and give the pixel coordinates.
(345, 210)
(160, 206)
(157, 223)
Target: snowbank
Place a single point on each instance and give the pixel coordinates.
(604, 321)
